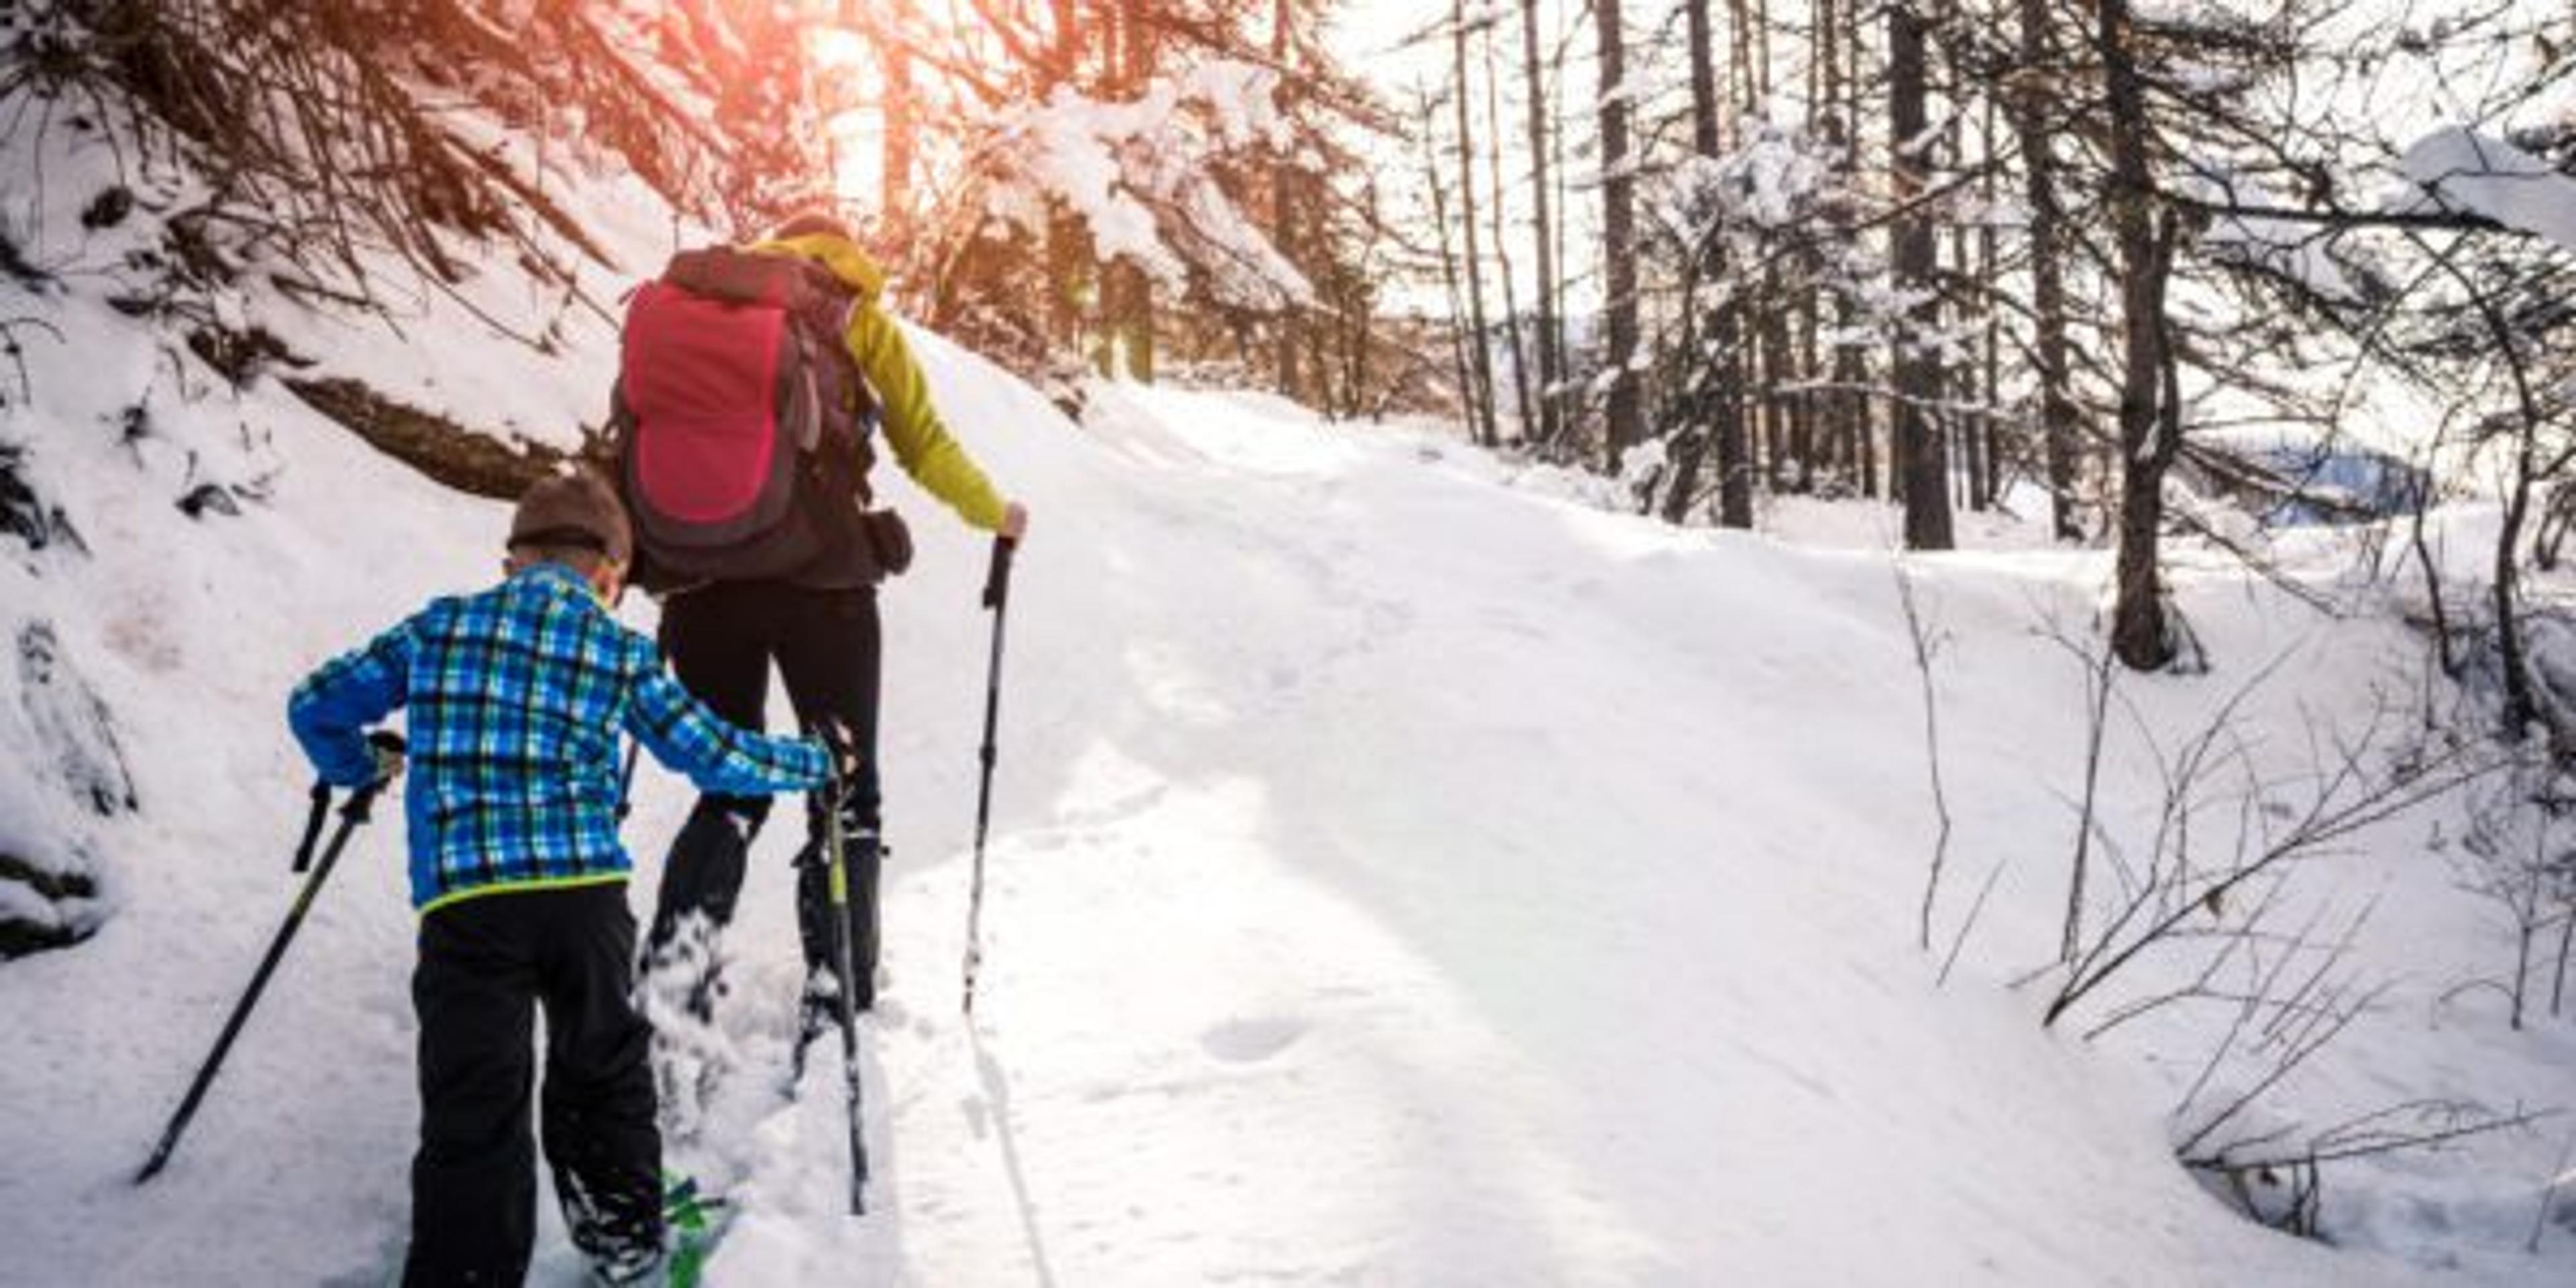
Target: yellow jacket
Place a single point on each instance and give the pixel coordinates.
(912, 426)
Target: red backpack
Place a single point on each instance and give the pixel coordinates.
(741, 426)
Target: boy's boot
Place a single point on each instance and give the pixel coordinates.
(700, 882)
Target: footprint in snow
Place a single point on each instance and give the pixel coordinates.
(1246, 1041)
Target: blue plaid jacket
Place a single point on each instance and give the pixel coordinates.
(516, 697)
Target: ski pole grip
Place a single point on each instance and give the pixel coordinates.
(997, 577)
(359, 801)
(321, 797)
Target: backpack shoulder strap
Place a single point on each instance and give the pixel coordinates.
(829, 307)
(825, 301)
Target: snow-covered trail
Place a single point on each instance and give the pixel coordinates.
(1403, 880)
(1395, 878)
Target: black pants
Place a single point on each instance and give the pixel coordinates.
(721, 640)
(485, 964)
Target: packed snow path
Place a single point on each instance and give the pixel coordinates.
(1395, 878)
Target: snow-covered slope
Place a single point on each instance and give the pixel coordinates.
(1397, 877)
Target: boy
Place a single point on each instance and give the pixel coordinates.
(516, 698)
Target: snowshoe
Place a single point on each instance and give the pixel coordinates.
(693, 1221)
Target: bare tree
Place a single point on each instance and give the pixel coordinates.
(1460, 341)
(1625, 425)
(1480, 355)
(1543, 232)
(2150, 408)
(2515, 855)
(2358, 785)
(2037, 81)
(1502, 243)
(1926, 643)
(1922, 450)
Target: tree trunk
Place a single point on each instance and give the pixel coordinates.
(1627, 417)
(1551, 355)
(1448, 264)
(1851, 362)
(1690, 436)
(1290, 341)
(1572, 403)
(1502, 243)
(1480, 407)
(902, 128)
(1355, 311)
(2521, 704)
(1126, 291)
(2138, 630)
(1976, 439)
(1739, 55)
(1761, 43)
(1734, 448)
(1805, 443)
(2057, 414)
(1992, 428)
(1833, 406)
(1717, 387)
(1991, 394)
(1070, 272)
(1922, 451)
(1703, 77)
(1974, 426)
(1127, 334)
(1788, 467)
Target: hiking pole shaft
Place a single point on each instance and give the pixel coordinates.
(626, 779)
(313, 822)
(997, 596)
(351, 815)
(635, 746)
(837, 848)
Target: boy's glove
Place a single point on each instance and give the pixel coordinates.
(386, 748)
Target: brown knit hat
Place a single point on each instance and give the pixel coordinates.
(575, 509)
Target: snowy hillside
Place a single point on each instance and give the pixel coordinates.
(1406, 867)
(1398, 877)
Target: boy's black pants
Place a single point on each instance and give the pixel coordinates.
(486, 963)
(721, 639)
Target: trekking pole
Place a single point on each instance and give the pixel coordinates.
(997, 595)
(836, 852)
(351, 815)
(626, 779)
(635, 746)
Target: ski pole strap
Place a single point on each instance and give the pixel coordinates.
(997, 577)
(321, 796)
